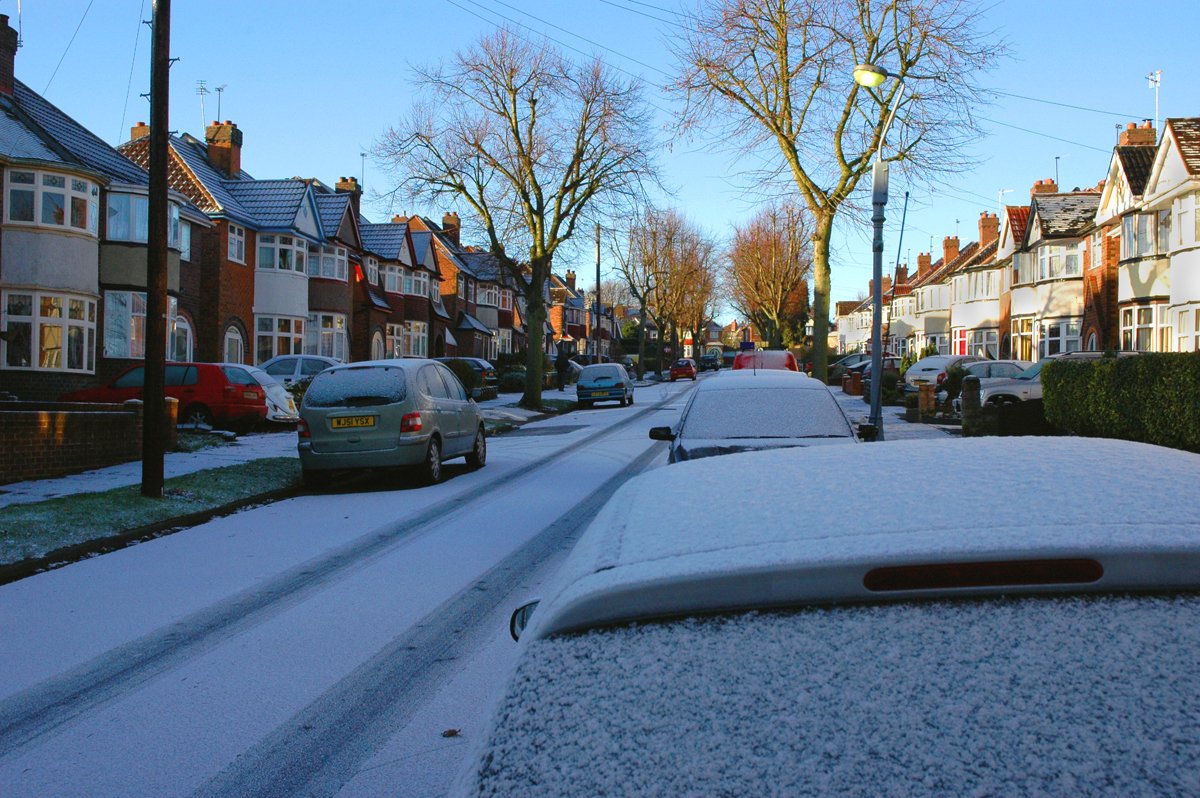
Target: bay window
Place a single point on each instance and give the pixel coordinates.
(983, 343)
(372, 271)
(1188, 325)
(416, 339)
(1145, 329)
(48, 331)
(1059, 336)
(125, 324)
(395, 340)
(489, 295)
(407, 277)
(277, 335)
(1022, 338)
(329, 262)
(327, 335)
(49, 199)
(506, 299)
(1143, 234)
(185, 241)
(392, 279)
(129, 220)
(504, 337)
(960, 342)
(284, 253)
(420, 283)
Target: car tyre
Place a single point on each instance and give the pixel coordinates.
(585, 403)
(623, 401)
(196, 416)
(431, 468)
(631, 397)
(477, 457)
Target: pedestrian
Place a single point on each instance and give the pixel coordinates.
(561, 365)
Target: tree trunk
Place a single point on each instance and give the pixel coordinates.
(535, 306)
(820, 240)
(641, 361)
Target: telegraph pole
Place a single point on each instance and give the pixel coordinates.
(597, 292)
(154, 415)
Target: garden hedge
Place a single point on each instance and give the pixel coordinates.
(1153, 398)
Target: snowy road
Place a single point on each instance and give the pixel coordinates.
(319, 646)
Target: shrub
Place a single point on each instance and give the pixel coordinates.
(912, 400)
(952, 385)
(890, 387)
(1150, 398)
(468, 376)
(512, 381)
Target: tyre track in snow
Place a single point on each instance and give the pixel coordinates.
(321, 747)
(39, 710)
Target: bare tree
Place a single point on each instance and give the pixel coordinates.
(767, 270)
(534, 146)
(778, 74)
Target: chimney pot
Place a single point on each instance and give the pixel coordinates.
(225, 147)
(8, 56)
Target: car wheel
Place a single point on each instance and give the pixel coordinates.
(585, 403)
(478, 454)
(631, 397)
(431, 469)
(693, 378)
(197, 416)
(672, 379)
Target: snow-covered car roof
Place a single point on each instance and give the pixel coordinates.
(775, 543)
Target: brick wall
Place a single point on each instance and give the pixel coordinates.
(51, 439)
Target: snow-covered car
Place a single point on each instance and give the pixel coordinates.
(604, 382)
(281, 407)
(772, 643)
(746, 409)
(932, 370)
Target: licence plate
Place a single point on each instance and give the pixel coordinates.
(249, 395)
(346, 422)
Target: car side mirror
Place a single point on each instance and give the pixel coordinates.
(661, 434)
(868, 432)
(520, 619)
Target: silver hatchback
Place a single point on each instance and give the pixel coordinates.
(386, 413)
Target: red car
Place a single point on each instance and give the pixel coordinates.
(207, 392)
(683, 368)
(766, 359)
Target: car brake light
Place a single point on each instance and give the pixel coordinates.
(411, 422)
(941, 377)
(302, 429)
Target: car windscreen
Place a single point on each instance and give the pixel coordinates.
(1033, 371)
(601, 372)
(761, 412)
(1015, 696)
(361, 386)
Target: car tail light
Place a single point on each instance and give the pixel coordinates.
(302, 429)
(941, 377)
(411, 422)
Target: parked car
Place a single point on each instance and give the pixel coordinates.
(891, 365)
(384, 413)
(1027, 385)
(839, 367)
(777, 644)
(588, 360)
(297, 368)
(932, 370)
(208, 393)
(604, 382)
(710, 363)
(765, 359)
(281, 407)
(990, 372)
(683, 368)
(746, 410)
(486, 371)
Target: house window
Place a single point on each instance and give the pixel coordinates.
(48, 331)
(983, 343)
(237, 251)
(1022, 338)
(277, 335)
(327, 335)
(489, 295)
(504, 343)
(506, 299)
(416, 339)
(1188, 324)
(185, 241)
(395, 340)
(1145, 329)
(462, 287)
(125, 324)
(419, 285)
(377, 347)
(235, 346)
(392, 276)
(49, 199)
(372, 271)
(284, 253)
(328, 262)
(1059, 336)
(180, 348)
(1141, 235)
(470, 291)
(960, 342)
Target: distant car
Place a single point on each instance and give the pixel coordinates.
(385, 413)
(746, 410)
(932, 370)
(775, 643)
(604, 382)
(683, 369)
(208, 393)
(588, 360)
(281, 407)
(710, 363)
(891, 365)
(486, 371)
(991, 372)
(765, 359)
(297, 368)
(839, 367)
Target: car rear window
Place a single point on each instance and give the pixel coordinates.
(360, 386)
(282, 368)
(181, 375)
(600, 372)
(1023, 696)
(757, 412)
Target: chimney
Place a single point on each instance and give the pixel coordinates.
(8, 56)
(139, 131)
(870, 289)
(924, 261)
(452, 227)
(902, 275)
(224, 147)
(349, 185)
(1134, 135)
(570, 279)
(1046, 186)
(398, 219)
(989, 228)
(949, 248)
(887, 285)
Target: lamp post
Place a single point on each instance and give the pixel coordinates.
(870, 76)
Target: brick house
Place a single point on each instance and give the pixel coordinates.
(977, 319)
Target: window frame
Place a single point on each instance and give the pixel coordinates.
(327, 334)
(236, 249)
(279, 245)
(74, 188)
(66, 324)
(281, 341)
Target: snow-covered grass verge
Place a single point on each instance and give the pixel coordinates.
(35, 530)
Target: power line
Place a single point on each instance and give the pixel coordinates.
(1044, 135)
(132, 63)
(641, 13)
(1066, 105)
(68, 48)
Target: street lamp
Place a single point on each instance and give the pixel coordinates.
(870, 76)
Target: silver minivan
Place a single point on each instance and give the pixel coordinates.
(386, 413)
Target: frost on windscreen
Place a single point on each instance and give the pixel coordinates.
(759, 412)
(592, 373)
(356, 387)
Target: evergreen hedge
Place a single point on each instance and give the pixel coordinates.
(1153, 398)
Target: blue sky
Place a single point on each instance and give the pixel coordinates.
(312, 85)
